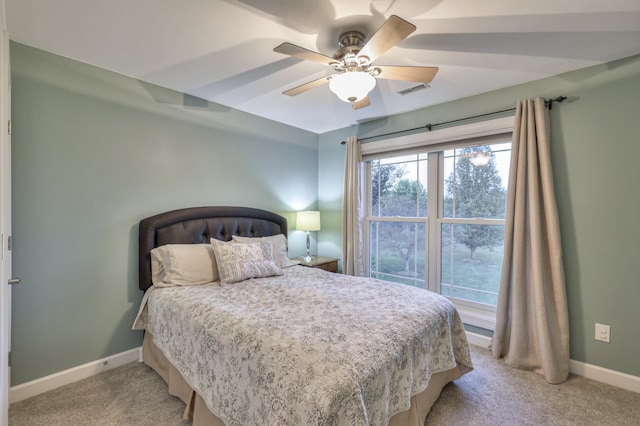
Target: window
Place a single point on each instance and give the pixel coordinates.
(398, 221)
(472, 221)
(436, 220)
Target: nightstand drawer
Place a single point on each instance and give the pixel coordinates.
(327, 263)
(329, 266)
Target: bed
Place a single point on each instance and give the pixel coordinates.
(286, 345)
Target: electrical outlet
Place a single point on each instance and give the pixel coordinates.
(603, 333)
(105, 364)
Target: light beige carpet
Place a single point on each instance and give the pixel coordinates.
(495, 394)
(492, 394)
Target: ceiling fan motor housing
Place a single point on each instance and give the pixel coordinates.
(350, 44)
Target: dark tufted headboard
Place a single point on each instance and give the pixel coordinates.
(198, 225)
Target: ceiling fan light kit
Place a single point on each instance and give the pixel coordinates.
(356, 76)
(352, 86)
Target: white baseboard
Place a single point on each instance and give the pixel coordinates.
(589, 371)
(478, 339)
(604, 375)
(53, 381)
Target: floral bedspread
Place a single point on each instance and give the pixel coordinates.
(308, 347)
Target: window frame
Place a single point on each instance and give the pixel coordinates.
(486, 132)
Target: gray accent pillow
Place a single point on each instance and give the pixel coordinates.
(280, 248)
(241, 261)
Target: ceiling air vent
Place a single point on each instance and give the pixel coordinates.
(414, 89)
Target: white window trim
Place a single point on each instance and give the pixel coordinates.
(477, 317)
(471, 315)
(450, 134)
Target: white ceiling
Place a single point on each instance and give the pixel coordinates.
(222, 50)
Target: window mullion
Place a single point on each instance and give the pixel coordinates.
(433, 209)
(366, 252)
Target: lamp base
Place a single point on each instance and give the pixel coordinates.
(308, 257)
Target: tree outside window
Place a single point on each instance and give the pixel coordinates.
(475, 192)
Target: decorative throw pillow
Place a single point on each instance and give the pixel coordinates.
(241, 261)
(183, 264)
(280, 248)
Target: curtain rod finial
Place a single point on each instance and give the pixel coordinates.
(549, 102)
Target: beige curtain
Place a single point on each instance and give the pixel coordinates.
(353, 211)
(532, 325)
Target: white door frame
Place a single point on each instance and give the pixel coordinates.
(5, 216)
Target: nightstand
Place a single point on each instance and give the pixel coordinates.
(327, 263)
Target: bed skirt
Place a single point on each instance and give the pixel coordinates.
(197, 411)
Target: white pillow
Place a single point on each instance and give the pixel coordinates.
(280, 248)
(183, 264)
(241, 261)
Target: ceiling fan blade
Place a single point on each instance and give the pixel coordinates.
(307, 86)
(302, 53)
(362, 103)
(415, 74)
(392, 32)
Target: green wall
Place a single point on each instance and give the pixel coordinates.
(93, 153)
(595, 149)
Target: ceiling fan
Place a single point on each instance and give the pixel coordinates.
(353, 62)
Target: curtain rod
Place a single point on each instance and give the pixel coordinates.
(429, 127)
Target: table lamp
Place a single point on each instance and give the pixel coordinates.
(308, 221)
